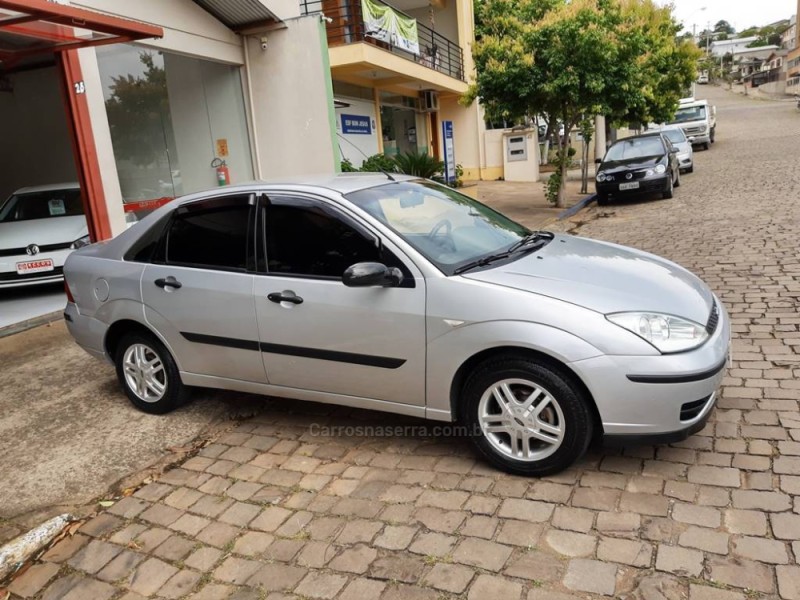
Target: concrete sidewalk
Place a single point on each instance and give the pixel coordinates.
(525, 202)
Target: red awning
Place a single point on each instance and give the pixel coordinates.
(33, 27)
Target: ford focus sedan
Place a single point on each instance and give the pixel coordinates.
(638, 165)
(401, 295)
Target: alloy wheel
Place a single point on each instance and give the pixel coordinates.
(521, 420)
(144, 373)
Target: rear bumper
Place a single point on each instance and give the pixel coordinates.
(89, 333)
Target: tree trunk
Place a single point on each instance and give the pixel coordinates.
(585, 168)
(562, 190)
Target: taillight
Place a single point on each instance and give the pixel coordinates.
(69, 293)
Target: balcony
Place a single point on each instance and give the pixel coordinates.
(358, 57)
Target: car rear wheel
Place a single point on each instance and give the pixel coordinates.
(148, 374)
(525, 417)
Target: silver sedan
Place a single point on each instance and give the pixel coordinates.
(401, 295)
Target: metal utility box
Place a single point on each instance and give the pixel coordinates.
(520, 155)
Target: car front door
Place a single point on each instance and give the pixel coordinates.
(318, 334)
(198, 293)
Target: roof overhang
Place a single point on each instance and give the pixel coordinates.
(35, 27)
(241, 16)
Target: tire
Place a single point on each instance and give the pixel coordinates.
(706, 146)
(602, 200)
(713, 134)
(690, 169)
(165, 391)
(565, 409)
(670, 191)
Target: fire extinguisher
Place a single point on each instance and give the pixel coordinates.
(223, 173)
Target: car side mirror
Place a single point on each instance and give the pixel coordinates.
(598, 160)
(369, 274)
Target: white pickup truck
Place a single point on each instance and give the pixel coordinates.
(698, 119)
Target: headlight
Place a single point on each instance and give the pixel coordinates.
(666, 332)
(661, 169)
(702, 128)
(601, 177)
(80, 243)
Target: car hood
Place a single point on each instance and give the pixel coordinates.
(43, 232)
(615, 166)
(684, 148)
(606, 278)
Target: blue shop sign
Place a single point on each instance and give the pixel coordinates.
(356, 124)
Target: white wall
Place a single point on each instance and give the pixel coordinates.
(354, 146)
(188, 29)
(445, 21)
(37, 148)
(293, 100)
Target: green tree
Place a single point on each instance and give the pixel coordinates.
(573, 59)
(724, 27)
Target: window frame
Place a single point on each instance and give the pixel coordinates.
(386, 255)
(159, 256)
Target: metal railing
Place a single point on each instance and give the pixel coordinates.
(346, 26)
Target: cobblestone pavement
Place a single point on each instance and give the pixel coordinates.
(271, 510)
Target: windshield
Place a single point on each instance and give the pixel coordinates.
(448, 228)
(690, 113)
(42, 205)
(635, 148)
(675, 136)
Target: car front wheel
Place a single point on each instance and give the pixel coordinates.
(669, 193)
(148, 374)
(525, 417)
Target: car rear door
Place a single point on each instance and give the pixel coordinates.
(198, 291)
(318, 334)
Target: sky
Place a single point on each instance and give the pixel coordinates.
(739, 13)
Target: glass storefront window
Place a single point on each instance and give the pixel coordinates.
(170, 116)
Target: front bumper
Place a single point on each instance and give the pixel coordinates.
(655, 184)
(9, 278)
(661, 397)
(685, 161)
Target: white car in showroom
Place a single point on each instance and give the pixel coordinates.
(39, 227)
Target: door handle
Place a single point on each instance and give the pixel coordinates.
(168, 282)
(278, 297)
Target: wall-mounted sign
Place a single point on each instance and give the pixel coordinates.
(449, 151)
(222, 147)
(358, 124)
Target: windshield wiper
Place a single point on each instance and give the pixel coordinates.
(528, 243)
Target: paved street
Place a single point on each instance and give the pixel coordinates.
(275, 508)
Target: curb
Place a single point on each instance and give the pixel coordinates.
(31, 323)
(572, 211)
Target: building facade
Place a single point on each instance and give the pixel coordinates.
(154, 99)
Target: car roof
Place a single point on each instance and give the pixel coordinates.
(640, 136)
(51, 187)
(343, 183)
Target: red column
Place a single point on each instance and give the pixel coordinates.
(84, 149)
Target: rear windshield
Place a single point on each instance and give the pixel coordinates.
(636, 148)
(675, 136)
(42, 205)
